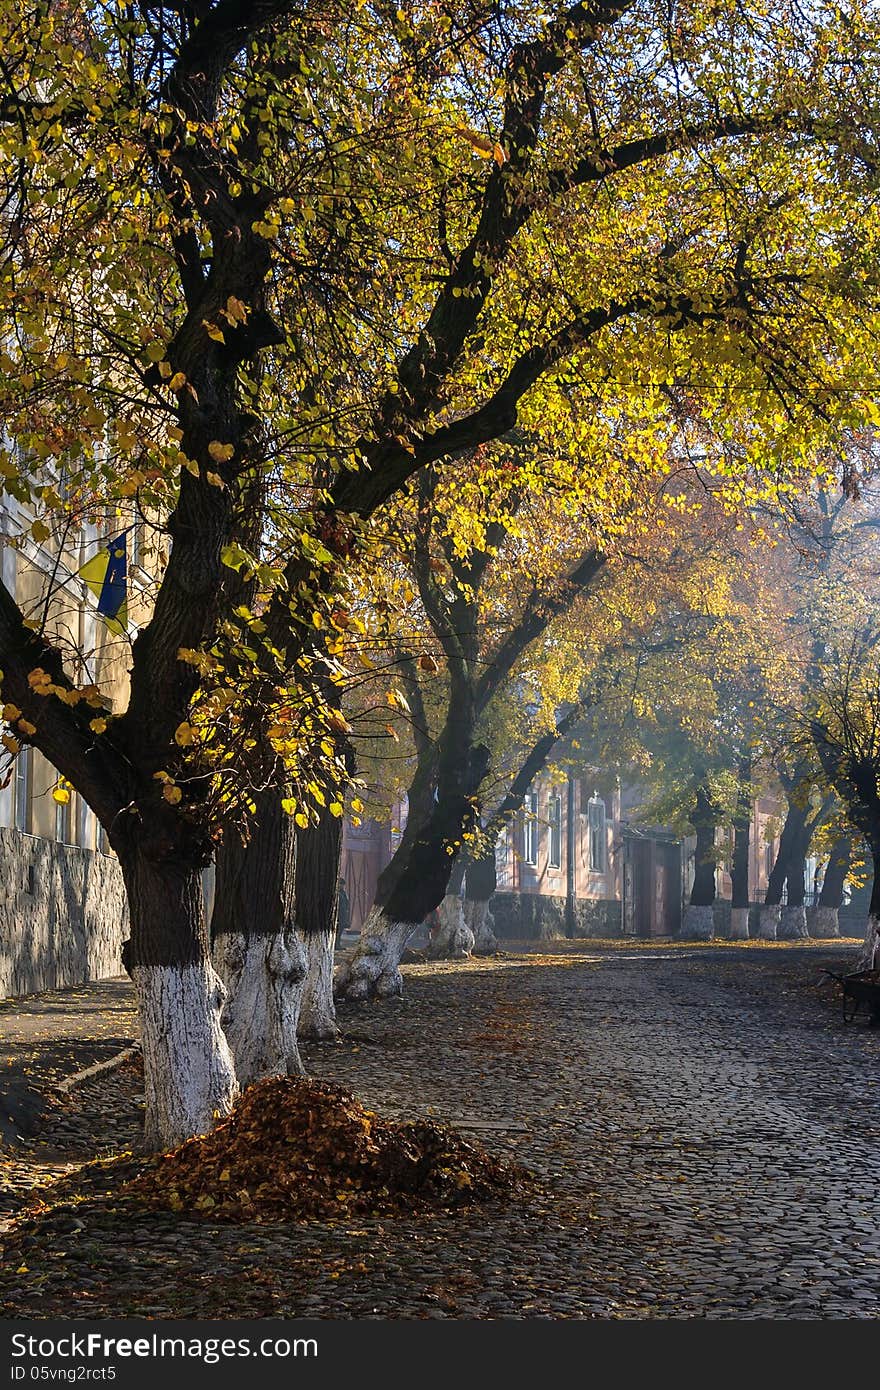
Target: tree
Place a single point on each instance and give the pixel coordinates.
(290, 256)
(482, 640)
(845, 724)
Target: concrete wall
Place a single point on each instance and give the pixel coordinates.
(63, 915)
(532, 916)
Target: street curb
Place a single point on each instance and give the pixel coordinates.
(110, 1064)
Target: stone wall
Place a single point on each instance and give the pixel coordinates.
(63, 915)
(533, 916)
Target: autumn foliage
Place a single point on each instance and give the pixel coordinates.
(298, 1148)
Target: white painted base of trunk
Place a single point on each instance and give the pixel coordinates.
(482, 925)
(792, 924)
(264, 977)
(768, 921)
(698, 923)
(823, 923)
(317, 1015)
(739, 924)
(869, 956)
(455, 939)
(189, 1074)
(371, 969)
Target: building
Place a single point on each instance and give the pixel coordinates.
(62, 902)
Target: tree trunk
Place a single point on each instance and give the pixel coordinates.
(256, 950)
(869, 956)
(768, 921)
(742, 827)
(189, 1073)
(317, 1018)
(455, 940)
(480, 884)
(823, 920)
(698, 924)
(319, 848)
(411, 887)
(771, 909)
(792, 833)
(793, 916)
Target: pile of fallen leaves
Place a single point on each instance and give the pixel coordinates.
(300, 1148)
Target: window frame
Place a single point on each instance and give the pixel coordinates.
(23, 794)
(597, 834)
(530, 830)
(554, 836)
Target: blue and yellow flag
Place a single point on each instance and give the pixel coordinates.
(107, 577)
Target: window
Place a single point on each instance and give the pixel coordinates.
(769, 858)
(530, 829)
(23, 790)
(63, 817)
(502, 860)
(597, 819)
(554, 818)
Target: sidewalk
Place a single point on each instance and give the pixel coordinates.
(45, 1038)
(702, 1126)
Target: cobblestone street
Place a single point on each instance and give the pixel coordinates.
(703, 1128)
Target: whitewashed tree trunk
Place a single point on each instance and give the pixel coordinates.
(768, 921)
(189, 1070)
(455, 939)
(739, 924)
(263, 975)
(698, 923)
(317, 1017)
(792, 924)
(823, 923)
(189, 1075)
(482, 924)
(869, 956)
(372, 967)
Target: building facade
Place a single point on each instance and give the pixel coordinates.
(63, 916)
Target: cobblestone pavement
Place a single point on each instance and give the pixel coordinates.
(704, 1130)
(47, 1037)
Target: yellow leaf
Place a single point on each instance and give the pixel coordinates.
(11, 712)
(177, 382)
(98, 726)
(184, 735)
(11, 744)
(172, 794)
(480, 144)
(26, 727)
(214, 479)
(61, 795)
(213, 331)
(220, 453)
(236, 311)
